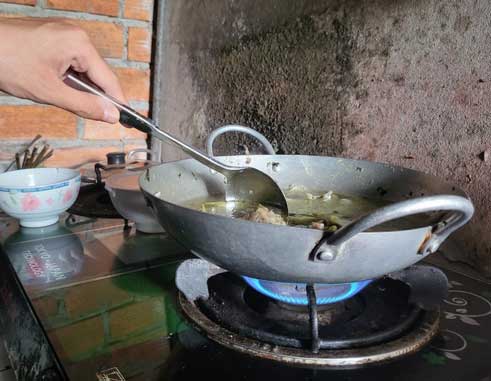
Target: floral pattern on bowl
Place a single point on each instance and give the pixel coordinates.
(30, 202)
(38, 196)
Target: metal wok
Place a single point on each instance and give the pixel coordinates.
(296, 254)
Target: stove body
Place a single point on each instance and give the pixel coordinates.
(95, 300)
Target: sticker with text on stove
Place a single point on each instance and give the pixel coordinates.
(111, 374)
(37, 265)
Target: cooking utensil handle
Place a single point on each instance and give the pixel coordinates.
(236, 128)
(132, 118)
(137, 150)
(462, 209)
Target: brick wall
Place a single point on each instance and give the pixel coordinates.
(95, 318)
(121, 30)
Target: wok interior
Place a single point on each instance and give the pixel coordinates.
(185, 181)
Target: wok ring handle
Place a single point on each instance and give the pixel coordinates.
(461, 210)
(236, 128)
(130, 154)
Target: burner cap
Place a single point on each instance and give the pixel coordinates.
(295, 293)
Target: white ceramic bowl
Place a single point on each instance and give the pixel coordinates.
(128, 200)
(38, 196)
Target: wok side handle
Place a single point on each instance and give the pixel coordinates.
(130, 155)
(329, 247)
(236, 128)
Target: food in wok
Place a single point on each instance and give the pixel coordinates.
(326, 211)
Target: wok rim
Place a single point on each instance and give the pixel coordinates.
(456, 189)
(296, 227)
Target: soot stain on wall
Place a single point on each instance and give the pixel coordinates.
(290, 84)
(402, 82)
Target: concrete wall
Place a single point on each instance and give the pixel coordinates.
(197, 32)
(403, 82)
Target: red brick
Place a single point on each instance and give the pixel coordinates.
(133, 133)
(138, 9)
(26, 121)
(7, 156)
(11, 15)
(135, 83)
(81, 337)
(46, 306)
(77, 156)
(25, 2)
(139, 44)
(137, 317)
(100, 130)
(92, 297)
(101, 7)
(106, 37)
(95, 130)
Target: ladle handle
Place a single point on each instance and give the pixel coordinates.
(462, 208)
(130, 117)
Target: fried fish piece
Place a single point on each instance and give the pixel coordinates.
(265, 215)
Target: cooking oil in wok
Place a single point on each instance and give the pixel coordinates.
(325, 211)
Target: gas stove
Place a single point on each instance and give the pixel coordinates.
(93, 299)
(385, 321)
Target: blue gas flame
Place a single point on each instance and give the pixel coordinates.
(295, 293)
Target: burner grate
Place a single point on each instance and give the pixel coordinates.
(94, 201)
(313, 318)
(391, 318)
(378, 314)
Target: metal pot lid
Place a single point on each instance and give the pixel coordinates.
(127, 180)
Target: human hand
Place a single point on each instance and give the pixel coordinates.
(35, 56)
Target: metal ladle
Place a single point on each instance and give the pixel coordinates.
(242, 183)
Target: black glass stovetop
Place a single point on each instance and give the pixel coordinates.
(90, 300)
